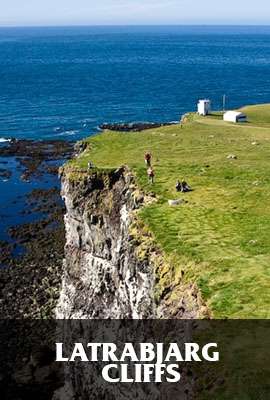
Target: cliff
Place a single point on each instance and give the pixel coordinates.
(103, 278)
(112, 267)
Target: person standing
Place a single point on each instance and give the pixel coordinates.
(147, 159)
(151, 175)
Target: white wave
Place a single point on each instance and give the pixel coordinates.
(57, 129)
(68, 133)
(3, 140)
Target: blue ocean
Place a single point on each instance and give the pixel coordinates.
(62, 83)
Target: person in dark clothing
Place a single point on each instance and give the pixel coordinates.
(178, 186)
(185, 187)
(182, 186)
(147, 159)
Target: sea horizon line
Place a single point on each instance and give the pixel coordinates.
(199, 25)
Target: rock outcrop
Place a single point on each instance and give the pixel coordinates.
(133, 126)
(103, 278)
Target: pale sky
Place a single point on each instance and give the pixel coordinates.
(130, 12)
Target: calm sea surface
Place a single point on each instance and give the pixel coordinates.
(64, 82)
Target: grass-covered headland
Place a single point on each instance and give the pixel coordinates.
(221, 236)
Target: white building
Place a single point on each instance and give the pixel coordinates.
(204, 107)
(234, 116)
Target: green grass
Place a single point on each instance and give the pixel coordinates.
(244, 367)
(220, 238)
(259, 114)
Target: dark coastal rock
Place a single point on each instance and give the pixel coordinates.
(32, 154)
(80, 146)
(47, 149)
(5, 252)
(31, 261)
(45, 201)
(30, 283)
(133, 127)
(27, 369)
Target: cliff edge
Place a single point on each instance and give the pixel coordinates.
(112, 268)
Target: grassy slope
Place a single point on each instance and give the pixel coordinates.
(221, 236)
(259, 114)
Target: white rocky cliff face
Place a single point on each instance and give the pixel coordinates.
(103, 278)
(107, 277)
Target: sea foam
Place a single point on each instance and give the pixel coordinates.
(3, 140)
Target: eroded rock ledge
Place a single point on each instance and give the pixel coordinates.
(112, 267)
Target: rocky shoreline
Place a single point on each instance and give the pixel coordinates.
(31, 257)
(133, 126)
(32, 155)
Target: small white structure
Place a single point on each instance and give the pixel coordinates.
(234, 116)
(204, 107)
